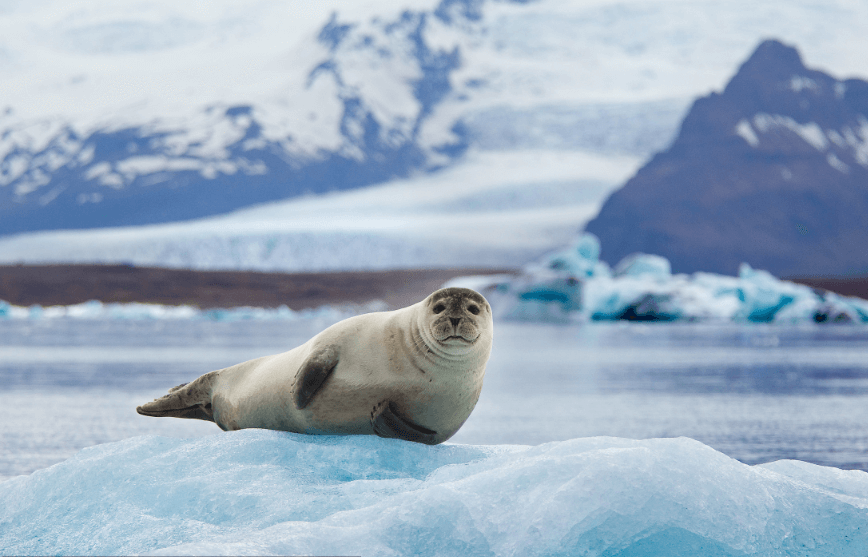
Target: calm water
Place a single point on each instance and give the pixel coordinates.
(756, 393)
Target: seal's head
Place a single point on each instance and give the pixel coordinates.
(457, 318)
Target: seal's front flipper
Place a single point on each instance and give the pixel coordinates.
(388, 423)
(190, 400)
(313, 373)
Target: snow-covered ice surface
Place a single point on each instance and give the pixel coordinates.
(265, 492)
(756, 393)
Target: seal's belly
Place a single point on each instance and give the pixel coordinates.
(344, 411)
(344, 406)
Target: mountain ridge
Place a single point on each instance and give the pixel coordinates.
(773, 171)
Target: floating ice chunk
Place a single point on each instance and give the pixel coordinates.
(642, 288)
(582, 259)
(552, 288)
(98, 310)
(640, 298)
(548, 296)
(588, 247)
(710, 296)
(763, 295)
(267, 492)
(643, 264)
(858, 305)
(840, 309)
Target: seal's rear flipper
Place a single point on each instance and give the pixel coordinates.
(387, 422)
(190, 400)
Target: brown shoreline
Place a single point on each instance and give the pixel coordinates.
(50, 285)
(846, 286)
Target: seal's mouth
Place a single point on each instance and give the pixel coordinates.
(457, 339)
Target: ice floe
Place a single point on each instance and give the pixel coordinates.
(267, 492)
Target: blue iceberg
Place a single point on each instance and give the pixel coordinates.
(574, 285)
(268, 492)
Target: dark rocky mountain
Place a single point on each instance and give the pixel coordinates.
(134, 174)
(772, 172)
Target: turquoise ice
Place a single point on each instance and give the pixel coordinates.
(266, 492)
(572, 284)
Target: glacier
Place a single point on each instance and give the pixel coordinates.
(265, 492)
(494, 209)
(572, 284)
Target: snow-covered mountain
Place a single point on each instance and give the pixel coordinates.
(356, 119)
(114, 113)
(773, 171)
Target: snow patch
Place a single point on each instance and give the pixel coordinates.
(744, 129)
(98, 170)
(837, 163)
(135, 166)
(799, 83)
(810, 132)
(836, 138)
(89, 198)
(858, 140)
(849, 140)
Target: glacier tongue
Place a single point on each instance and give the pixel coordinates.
(267, 492)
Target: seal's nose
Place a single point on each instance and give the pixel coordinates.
(455, 321)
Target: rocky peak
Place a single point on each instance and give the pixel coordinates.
(773, 171)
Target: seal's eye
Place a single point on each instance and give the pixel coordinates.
(473, 309)
(439, 308)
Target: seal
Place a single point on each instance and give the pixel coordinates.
(413, 374)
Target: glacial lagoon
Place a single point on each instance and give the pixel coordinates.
(591, 438)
